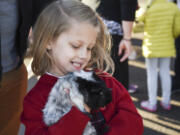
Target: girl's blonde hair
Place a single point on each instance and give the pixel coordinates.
(55, 19)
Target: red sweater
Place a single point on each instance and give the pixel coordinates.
(120, 114)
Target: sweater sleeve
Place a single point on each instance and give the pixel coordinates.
(128, 8)
(126, 120)
(141, 17)
(176, 27)
(73, 122)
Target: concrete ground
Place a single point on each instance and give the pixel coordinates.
(161, 122)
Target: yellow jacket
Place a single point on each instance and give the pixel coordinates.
(161, 26)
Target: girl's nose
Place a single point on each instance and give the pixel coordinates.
(83, 53)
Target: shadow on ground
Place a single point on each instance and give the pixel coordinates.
(160, 122)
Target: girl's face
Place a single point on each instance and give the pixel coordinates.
(72, 49)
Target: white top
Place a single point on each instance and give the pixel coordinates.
(178, 3)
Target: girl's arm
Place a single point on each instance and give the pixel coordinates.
(125, 119)
(176, 27)
(73, 122)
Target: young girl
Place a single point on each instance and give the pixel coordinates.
(161, 26)
(69, 36)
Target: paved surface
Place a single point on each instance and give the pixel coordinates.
(161, 122)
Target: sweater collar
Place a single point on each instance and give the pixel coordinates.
(53, 75)
(48, 79)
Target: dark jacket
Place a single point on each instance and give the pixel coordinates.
(117, 10)
(28, 12)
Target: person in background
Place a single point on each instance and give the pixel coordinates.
(119, 15)
(69, 36)
(161, 27)
(176, 77)
(16, 18)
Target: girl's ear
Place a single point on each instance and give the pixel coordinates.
(49, 46)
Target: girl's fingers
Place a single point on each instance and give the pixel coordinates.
(86, 107)
(66, 90)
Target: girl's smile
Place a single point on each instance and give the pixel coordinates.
(77, 65)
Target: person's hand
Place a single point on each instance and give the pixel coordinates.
(124, 46)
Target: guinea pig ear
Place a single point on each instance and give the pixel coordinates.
(95, 76)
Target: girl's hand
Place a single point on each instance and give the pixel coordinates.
(86, 107)
(67, 92)
(30, 38)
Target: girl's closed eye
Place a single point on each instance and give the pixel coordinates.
(75, 46)
(90, 48)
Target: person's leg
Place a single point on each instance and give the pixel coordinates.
(176, 78)
(152, 77)
(13, 88)
(164, 69)
(121, 68)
